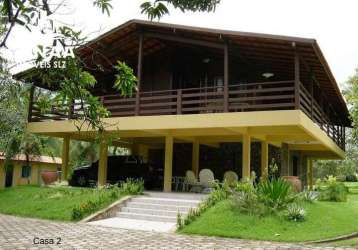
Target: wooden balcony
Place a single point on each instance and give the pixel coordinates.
(279, 95)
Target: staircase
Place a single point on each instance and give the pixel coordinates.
(153, 211)
(159, 207)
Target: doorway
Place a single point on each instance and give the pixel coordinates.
(9, 176)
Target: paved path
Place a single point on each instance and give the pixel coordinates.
(19, 233)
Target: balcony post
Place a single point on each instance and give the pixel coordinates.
(179, 101)
(226, 78)
(31, 103)
(139, 73)
(297, 78)
(312, 96)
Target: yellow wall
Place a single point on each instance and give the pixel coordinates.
(2, 176)
(34, 179)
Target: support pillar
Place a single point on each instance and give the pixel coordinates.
(102, 164)
(168, 163)
(246, 156)
(310, 174)
(195, 158)
(65, 158)
(285, 160)
(264, 160)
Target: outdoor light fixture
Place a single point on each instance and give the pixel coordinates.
(206, 60)
(268, 75)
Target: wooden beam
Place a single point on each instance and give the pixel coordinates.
(179, 39)
(297, 78)
(139, 72)
(226, 78)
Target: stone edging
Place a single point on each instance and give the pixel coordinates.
(107, 212)
(339, 238)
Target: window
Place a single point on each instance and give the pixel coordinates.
(25, 171)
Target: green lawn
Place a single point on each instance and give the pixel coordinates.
(46, 203)
(353, 187)
(323, 220)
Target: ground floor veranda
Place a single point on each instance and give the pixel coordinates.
(297, 138)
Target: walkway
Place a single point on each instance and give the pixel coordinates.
(22, 233)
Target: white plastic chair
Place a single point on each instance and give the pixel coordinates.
(206, 178)
(190, 181)
(231, 177)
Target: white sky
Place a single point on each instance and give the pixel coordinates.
(332, 22)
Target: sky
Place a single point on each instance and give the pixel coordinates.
(333, 23)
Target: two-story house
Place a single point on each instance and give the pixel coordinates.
(221, 93)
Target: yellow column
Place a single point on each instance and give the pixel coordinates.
(168, 164)
(246, 155)
(144, 152)
(195, 158)
(65, 158)
(102, 164)
(310, 174)
(264, 159)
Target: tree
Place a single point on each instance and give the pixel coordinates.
(74, 80)
(340, 168)
(351, 95)
(348, 166)
(14, 138)
(28, 13)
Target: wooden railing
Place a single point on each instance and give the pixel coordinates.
(242, 97)
(279, 95)
(314, 111)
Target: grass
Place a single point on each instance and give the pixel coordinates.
(352, 186)
(53, 203)
(346, 243)
(323, 220)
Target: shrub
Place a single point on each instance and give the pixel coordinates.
(248, 203)
(351, 178)
(132, 186)
(180, 221)
(244, 186)
(87, 207)
(340, 178)
(332, 190)
(106, 195)
(295, 212)
(308, 196)
(275, 194)
(221, 191)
